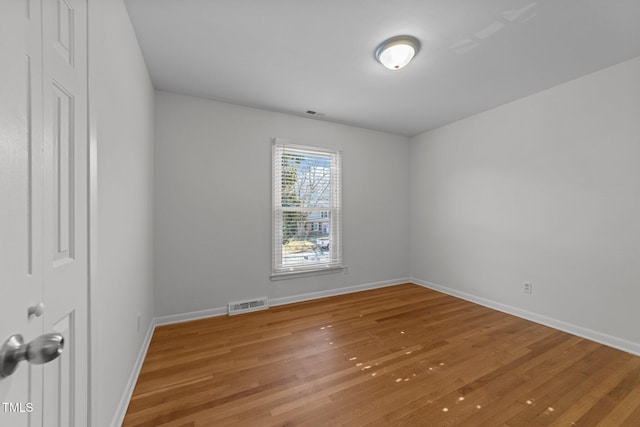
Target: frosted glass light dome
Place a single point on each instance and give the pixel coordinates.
(396, 52)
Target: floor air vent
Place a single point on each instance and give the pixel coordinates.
(239, 307)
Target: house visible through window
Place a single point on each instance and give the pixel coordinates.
(306, 209)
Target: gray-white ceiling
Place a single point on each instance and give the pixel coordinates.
(297, 55)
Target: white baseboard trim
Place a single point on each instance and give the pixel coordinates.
(121, 410)
(222, 311)
(333, 292)
(599, 337)
(193, 315)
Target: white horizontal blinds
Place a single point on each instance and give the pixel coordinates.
(306, 208)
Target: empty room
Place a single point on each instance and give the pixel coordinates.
(293, 213)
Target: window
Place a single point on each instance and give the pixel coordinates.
(306, 209)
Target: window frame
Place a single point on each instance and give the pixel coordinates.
(335, 263)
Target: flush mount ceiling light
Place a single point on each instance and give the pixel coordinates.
(395, 53)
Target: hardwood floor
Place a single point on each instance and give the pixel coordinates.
(397, 356)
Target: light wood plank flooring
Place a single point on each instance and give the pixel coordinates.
(397, 356)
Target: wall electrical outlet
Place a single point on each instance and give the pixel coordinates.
(527, 287)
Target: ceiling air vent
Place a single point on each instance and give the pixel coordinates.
(239, 307)
(312, 113)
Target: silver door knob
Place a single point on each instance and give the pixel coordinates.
(43, 349)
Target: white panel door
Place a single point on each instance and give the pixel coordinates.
(64, 47)
(21, 210)
(43, 206)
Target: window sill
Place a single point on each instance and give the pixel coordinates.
(296, 274)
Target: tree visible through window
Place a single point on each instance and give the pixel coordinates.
(306, 208)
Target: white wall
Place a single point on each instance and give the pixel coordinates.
(122, 125)
(544, 189)
(213, 203)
